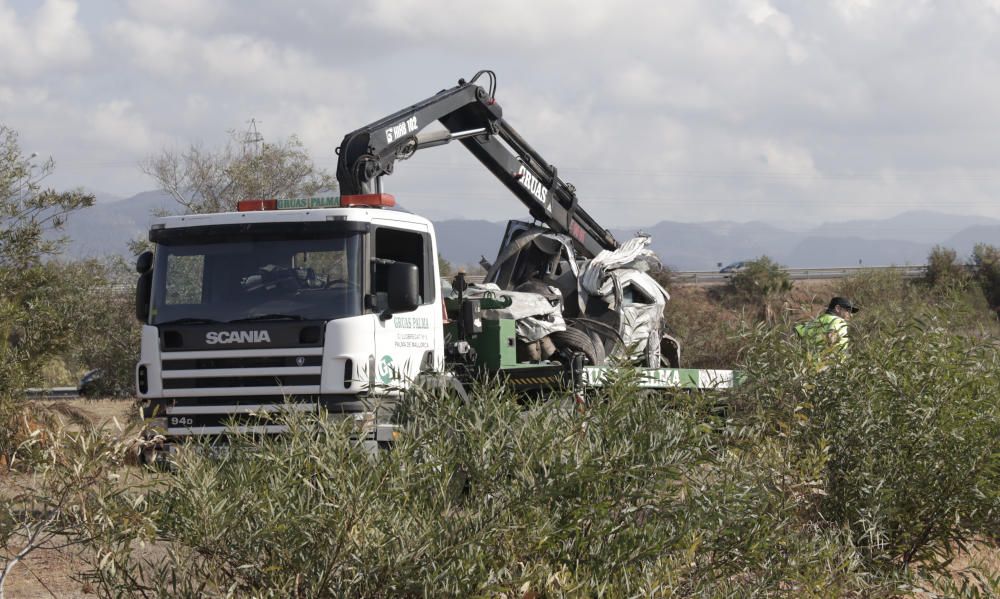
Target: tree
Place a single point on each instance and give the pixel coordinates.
(759, 282)
(986, 265)
(944, 269)
(444, 266)
(99, 295)
(28, 212)
(205, 181)
(32, 328)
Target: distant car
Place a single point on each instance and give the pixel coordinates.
(90, 383)
(734, 267)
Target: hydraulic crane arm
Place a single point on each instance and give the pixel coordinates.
(471, 115)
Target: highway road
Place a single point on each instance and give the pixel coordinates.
(697, 277)
(802, 274)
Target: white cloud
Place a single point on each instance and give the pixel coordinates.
(268, 67)
(116, 123)
(22, 99)
(191, 13)
(50, 38)
(794, 165)
(227, 63)
(852, 9)
(517, 23)
(642, 84)
(163, 51)
(763, 14)
(196, 108)
(732, 108)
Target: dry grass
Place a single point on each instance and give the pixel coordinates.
(706, 324)
(79, 413)
(47, 572)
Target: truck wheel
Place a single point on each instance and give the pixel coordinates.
(578, 341)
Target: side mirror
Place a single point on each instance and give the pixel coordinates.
(144, 286)
(143, 294)
(144, 262)
(403, 287)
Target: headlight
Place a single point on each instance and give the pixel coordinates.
(142, 379)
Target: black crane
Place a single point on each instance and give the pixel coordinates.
(470, 114)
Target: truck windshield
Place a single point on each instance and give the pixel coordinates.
(222, 279)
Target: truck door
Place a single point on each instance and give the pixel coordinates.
(407, 342)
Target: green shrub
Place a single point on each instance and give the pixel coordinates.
(635, 494)
(859, 478)
(944, 269)
(444, 267)
(882, 292)
(914, 443)
(910, 427)
(986, 264)
(758, 285)
(476, 498)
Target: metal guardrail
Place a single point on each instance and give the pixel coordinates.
(800, 274)
(52, 393)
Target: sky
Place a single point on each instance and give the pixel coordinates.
(787, 112)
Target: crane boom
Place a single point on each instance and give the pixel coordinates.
(471, 115)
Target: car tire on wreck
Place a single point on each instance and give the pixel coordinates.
(578, 341)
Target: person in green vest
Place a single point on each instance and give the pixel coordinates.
(828, 331)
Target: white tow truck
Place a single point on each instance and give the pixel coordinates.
(335, 303)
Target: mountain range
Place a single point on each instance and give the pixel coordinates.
(907, 238)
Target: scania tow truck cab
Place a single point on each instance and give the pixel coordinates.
(320, 307)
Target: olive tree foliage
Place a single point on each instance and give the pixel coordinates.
(28, 211)
(31, 328)
(99, 294)
(34, 327)
(203, 180)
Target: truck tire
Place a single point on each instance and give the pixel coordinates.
(578, 341)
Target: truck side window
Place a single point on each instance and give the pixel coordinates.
(403, 246)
